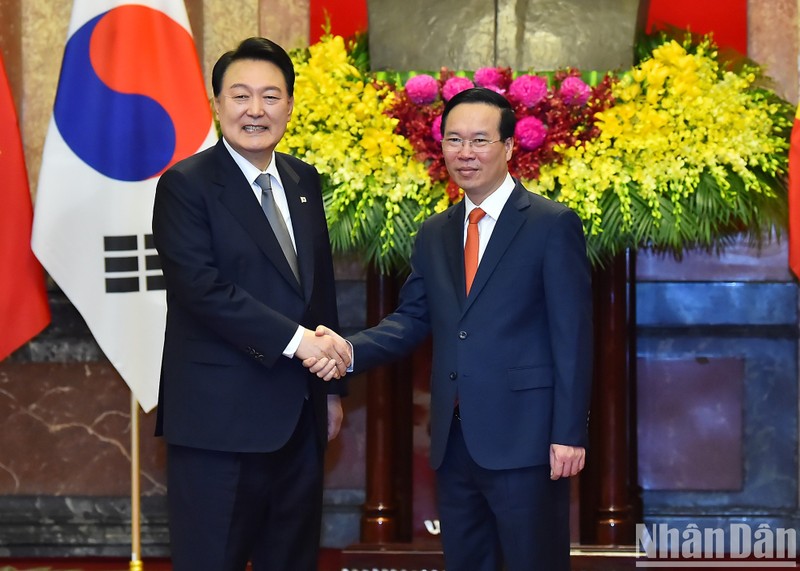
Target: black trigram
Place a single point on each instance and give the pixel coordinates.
(131, 267)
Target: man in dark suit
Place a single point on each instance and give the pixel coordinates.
(243, 242)
(512, 350)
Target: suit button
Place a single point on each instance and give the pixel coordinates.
(462, 335)
(453, 376)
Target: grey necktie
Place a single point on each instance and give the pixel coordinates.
(277, 222)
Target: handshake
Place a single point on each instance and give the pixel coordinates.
(325, 353)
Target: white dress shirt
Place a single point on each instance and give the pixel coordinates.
(492, 206)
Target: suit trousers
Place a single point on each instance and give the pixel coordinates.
(228, 508)
(519, 517)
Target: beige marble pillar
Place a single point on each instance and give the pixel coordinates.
(285, 22)
(772, 41)
(225, 24)
(44, 25)
(11, 46)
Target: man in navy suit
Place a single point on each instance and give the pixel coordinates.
(246, 425)
(512, 350)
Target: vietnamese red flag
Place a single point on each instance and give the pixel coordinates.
(23, 298)
(794, 197)
(131, 102)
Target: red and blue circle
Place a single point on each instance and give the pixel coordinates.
(131, 100)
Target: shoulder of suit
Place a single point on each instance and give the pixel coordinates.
(292, 161)
(442, 217)
(542, 204)
(200, 160)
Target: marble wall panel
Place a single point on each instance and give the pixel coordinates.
(690, 423)
(225, 24)
(553, 34)
(772, 41)
(755, 323)
(10, 47)
(740, 261)
(537, 34)
(727, 304)
(285, 22)
(423, 35)
(44, 34)
(65, 431)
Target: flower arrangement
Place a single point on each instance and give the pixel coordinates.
(550, 116)
(688, 153)
(679, 151)
(373, 188)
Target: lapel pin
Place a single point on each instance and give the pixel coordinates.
(303, 199)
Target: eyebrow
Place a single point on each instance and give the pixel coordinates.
(245, 86)
(476, 134)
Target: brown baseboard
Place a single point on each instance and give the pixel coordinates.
(329, 561)
(427, 555)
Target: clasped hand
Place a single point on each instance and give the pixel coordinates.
(325, 353)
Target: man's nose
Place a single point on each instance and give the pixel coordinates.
(256, 107)
(466, 151)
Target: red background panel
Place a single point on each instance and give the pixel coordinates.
(727, 19)
(346, 16)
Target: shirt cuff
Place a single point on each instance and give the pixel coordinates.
(294, 343)
(352, 358)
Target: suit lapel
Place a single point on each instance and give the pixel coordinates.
(506, 227)
(301, 223)
(453, 244)
(238, 197)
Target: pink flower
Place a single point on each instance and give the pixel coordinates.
(436, 129)
(422, 89)
(530, 132)
(454, 86)
(574, 90)
(528, 90)
(489, 77)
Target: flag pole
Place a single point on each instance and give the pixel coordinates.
(136, 535)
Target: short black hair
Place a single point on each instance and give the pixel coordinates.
(254, 49)
(508, 120)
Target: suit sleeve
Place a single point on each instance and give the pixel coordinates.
(400, 332)
(182, 235)
(568, 295)
(330, 310)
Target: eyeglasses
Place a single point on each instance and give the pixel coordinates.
(479, 145)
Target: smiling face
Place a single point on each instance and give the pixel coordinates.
(481, 173)
(254, 108)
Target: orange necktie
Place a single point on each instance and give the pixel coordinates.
(471, 246)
